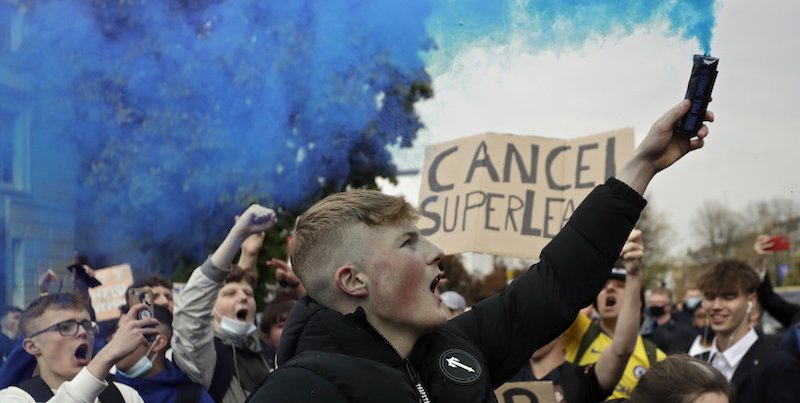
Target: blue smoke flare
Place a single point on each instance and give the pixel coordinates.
(179, 112)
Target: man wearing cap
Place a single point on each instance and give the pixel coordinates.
(585, 341)
(453, 303)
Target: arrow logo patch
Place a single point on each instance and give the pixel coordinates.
(459, 366)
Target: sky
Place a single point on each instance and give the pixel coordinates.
(751, 153)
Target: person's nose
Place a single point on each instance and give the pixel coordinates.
(82, 332)
(436, 254)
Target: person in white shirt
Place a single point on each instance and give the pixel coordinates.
(59, 333)
(759, 371)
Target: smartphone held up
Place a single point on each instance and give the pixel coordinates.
(779, 242)
(142, 296)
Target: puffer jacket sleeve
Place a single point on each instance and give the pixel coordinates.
(544, 301)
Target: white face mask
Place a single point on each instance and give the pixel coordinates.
(143, 365)
(693, 303)
(234, 329)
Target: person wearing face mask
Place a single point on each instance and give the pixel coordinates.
(692, 300)
(155, 377)
(668, 334)
(757, 368)
(214, 340)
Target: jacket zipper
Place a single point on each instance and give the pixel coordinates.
(422, 394)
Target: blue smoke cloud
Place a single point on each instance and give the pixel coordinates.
(180, 112)
(561, 24)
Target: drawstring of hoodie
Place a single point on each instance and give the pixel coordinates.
(235, 366)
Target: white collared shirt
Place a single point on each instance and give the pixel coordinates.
(728, 360)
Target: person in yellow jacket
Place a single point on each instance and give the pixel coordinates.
(584, 341)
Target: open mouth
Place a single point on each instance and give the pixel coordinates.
(82, 354)
(611, 301)
(435, 282)
(241, 314)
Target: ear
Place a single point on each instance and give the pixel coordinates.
(31, 347)
(161, 343)
(752, 299)
(351, 282)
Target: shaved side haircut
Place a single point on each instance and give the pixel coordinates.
(330, 233)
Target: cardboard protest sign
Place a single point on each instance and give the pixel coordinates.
(509, 195)
(526, 392)
(107, 298)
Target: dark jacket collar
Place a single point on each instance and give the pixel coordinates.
(311, 326)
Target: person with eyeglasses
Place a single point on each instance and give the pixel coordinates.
(59, 333)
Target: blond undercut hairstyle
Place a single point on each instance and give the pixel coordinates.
(330, 233)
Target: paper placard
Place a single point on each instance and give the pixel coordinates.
(107, 298)
(526, 392)
(509, 195)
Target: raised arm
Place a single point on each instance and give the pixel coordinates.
(192, 325)
(250, 248)
(543, 302)
(254, 220)
(612, 362)
(661, 148)
(782, 310)
(285, 275)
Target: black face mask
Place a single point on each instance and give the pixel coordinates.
(657, 311)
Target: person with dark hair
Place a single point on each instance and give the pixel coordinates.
(272, 321)
(758, 369)
(148, 370)
(682, 379)
(10, 330)
(59, 333)
(667, 333)
(371, 327)
(214, 340)
(161, 288)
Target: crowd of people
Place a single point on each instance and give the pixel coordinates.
(364, 320)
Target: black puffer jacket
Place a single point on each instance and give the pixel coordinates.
(329, 357)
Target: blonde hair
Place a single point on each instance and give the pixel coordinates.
(329, 235)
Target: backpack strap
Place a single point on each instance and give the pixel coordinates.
(40, 391)
(223, 372)
(189, 392)
(37, 388)
(586, 341)
(651, 350)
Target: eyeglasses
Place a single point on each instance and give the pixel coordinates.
(69, 328)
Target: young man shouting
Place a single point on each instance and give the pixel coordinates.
(59, 333)
(371, 328)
